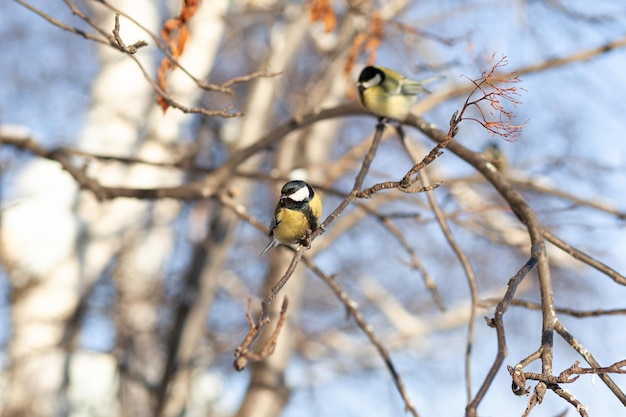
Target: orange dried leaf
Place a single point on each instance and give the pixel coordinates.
(169, 27)
(175, 31)
(162, 103)
(181, 41)
(188, 9)
(162, 82)
(353, 52)
(322, 11)
(161, 74)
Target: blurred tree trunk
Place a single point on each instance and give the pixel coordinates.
(58, 265)
(130, 237)
(147, 235)
(39, 235)
(308, 149)
(127, 236)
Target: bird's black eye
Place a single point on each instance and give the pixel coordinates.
(369, 73)
(291, 187)
(288, 190)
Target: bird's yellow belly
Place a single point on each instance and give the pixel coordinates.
(292, 227)
(395, 107)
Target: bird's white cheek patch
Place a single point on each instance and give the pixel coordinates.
(301, 195)
(377, 79)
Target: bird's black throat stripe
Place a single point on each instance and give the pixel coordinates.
(290, 204)
(310, 217)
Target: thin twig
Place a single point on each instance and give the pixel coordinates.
(131, 49)
(242, 353)
(526, 215)
(597, 204)
(268, 348)
(163, 47)
(242, 212)
(388, 185)
(569, 397)
(461, 255)
(416, 262)
(190, 191)
(588, 357)
(469, 274)
(62, 25)
(368, 329)
(572, 373)
(358, 181)
(583, 257)
(498, 323)
(226, 86)
(566, 311)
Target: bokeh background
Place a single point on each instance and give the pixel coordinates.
(99, 298)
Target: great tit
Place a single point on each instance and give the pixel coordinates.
(298, 210)
(494, 154)
(387, 93)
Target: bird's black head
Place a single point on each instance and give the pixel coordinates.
(371, 76)
(296, 192)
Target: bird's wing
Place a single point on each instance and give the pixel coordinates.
(276, 219)
(393, 81)
(411, 87)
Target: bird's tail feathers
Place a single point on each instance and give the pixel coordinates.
(420, 87)
(273, 243)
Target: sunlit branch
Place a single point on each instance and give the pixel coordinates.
(590, 359)
(113, 38)
(498, 323)
(463, 90)
(582, 202)
(526, 215)
(242, 352)
(358, 181)
(469, 274)
(62, 25)
(562, 310)
(461, 255)
(245, 355)
(415, 262)
(570, 398)
(163, 47)
(583, 257)
(353, 311)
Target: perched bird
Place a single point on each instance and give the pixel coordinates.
(298, 210)
(387, 93)
(494, 154)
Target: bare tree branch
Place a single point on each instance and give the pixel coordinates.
(498, 323)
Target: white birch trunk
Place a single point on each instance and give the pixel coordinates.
(38, 238)
(139, 272)
(41, 235)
